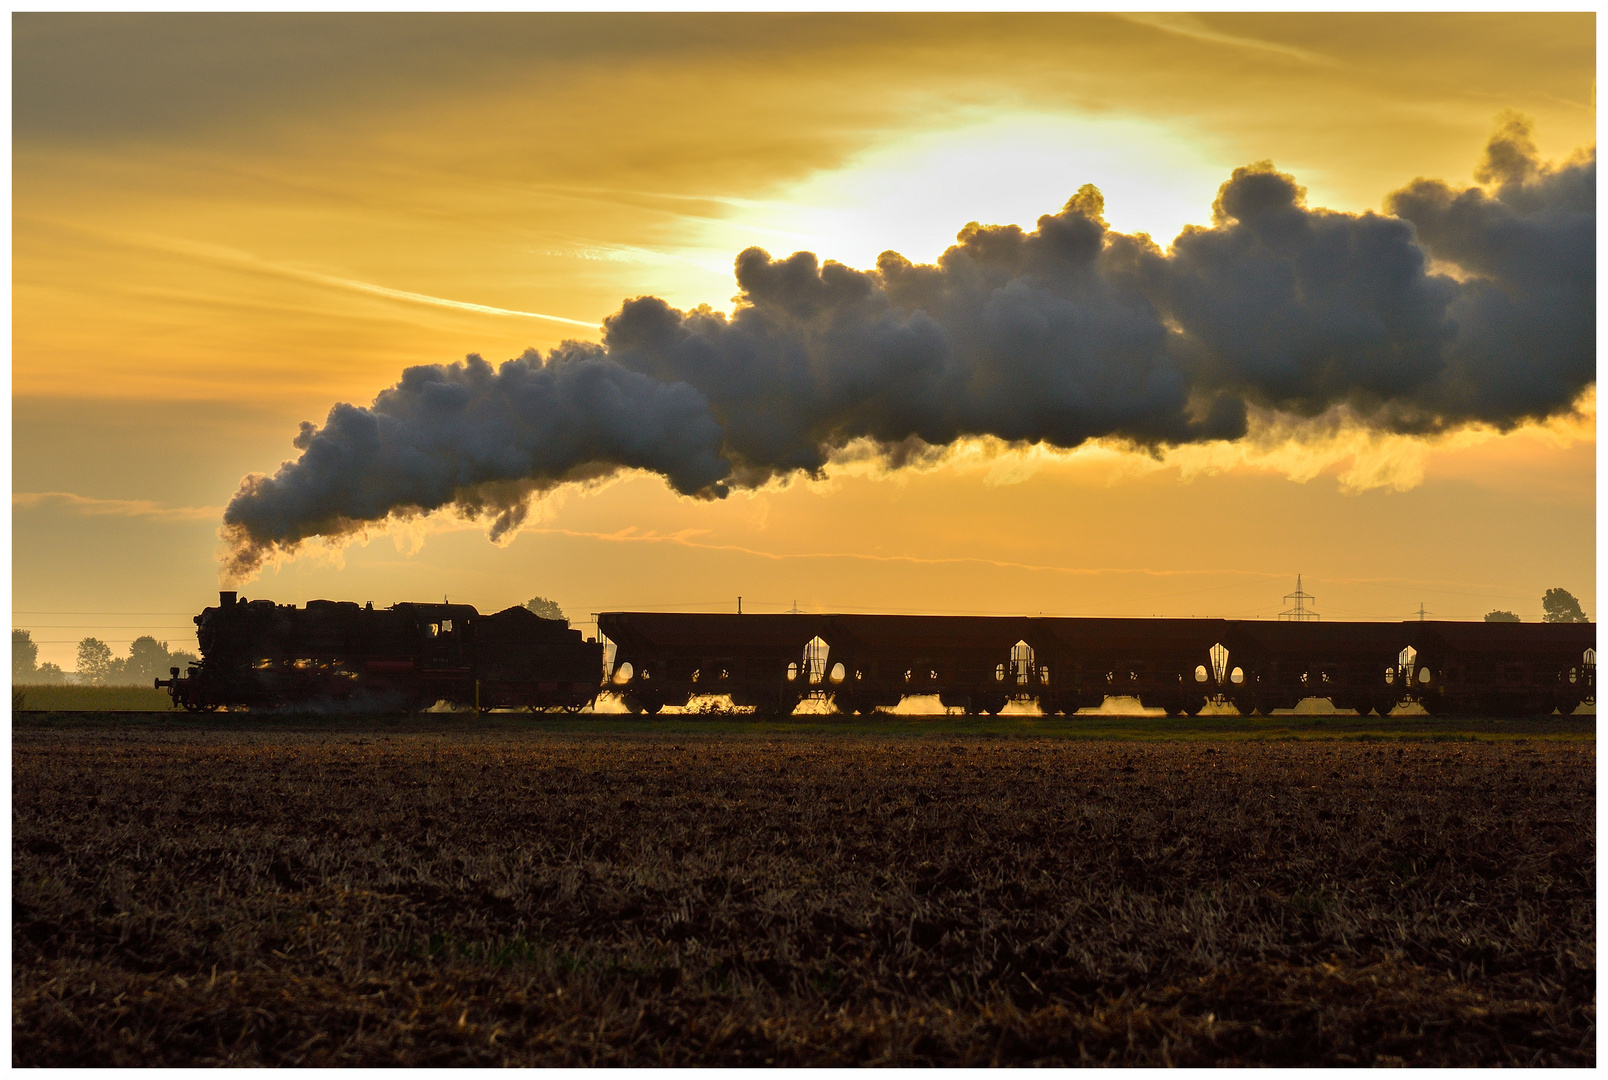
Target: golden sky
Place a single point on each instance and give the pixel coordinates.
(222, 225)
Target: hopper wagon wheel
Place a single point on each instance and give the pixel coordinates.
(1435, 705)
(639, 705)
(574, 707)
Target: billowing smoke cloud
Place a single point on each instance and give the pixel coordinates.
(1457, 306)
(480, 440)
(1527, 311)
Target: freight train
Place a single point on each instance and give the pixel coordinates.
(337, 655)
(258, 654)
(862, 662)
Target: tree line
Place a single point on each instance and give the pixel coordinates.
(147, 659)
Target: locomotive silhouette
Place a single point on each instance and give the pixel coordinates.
(262, 655)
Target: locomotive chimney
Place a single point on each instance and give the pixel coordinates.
(226, 598)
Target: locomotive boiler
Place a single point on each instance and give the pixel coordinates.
(861, 662)
(262, 655)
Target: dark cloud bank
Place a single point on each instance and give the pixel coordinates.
(1457, 306)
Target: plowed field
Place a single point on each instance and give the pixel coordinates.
(251, 897)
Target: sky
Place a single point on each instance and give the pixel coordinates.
(224, 225)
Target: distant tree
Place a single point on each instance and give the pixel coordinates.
(546, 608)
(24, 651)
(24, 656)
(1560, 605)
(148, 659)
(1501, 616)
(96, 665)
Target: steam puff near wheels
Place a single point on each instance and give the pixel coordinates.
(1062, 334)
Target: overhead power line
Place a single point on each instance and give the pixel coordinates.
(75, 641)
(120, 614)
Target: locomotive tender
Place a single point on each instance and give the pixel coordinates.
(259, 654)
(980, 663)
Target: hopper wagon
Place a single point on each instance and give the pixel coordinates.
(981, 663)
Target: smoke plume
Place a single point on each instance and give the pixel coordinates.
(1457, 306)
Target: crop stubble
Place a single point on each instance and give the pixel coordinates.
(254, 897)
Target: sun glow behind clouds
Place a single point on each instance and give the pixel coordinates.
(913, 192)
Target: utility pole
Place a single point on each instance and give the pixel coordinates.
(1422, 612)
(739, 605)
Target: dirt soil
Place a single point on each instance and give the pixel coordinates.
(279, 897)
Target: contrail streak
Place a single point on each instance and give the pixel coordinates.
(420, 298)
(117, 507)
(235, 257)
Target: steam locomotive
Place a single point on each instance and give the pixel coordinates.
(860, 662)
(263, 655)
(258, 654)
